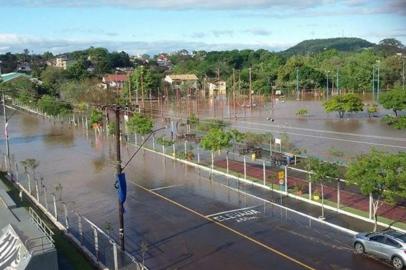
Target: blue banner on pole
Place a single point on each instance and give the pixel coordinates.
(122, 188)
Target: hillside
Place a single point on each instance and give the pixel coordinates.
(317, 45)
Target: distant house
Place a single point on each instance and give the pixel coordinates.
(163, 61)
(116, 81)
(217, 88)
(182, 82)
(24, 67)
(61, 61)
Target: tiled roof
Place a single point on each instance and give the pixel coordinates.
(115, 78)
(183, 77)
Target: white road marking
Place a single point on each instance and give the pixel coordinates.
(166, 187)
(234, 210)
(324, 137)
(325, 131)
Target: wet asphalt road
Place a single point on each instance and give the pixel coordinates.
(187, 220)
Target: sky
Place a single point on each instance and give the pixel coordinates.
(153, 26)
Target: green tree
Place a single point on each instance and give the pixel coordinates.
(322, 172)
(215, 140)
(381, 175)
(344, 103)
(394, 100)
(96, 117)
(53, 107)
(372, 109)
(140, 124)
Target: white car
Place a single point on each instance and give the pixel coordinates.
(389, 245)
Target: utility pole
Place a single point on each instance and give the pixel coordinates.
(142, 86)
(235, 113)
(5, 130)
(129, 90)
(297, 83)
(373, 82)
(403, 74)
(119, 173)
(327, 88)
(378, 90)
(337, 86)
(250, 93)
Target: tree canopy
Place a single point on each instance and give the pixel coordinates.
(343, 104)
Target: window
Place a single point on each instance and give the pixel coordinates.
(392, 243)
(378, 238)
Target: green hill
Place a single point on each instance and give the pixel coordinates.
(318, 45)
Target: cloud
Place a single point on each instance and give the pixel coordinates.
(258, 32)
(197, 35)
(220, 33)
(88, 31)
(178, 4)
(17, 43)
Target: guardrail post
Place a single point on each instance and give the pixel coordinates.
(310, 188)
(115, 256)
(174, 150)
(185, 148)
(36, 190)
(212, 161)
(153, 142)
(29, 183)
(17, 173)
(55, 209)
(338, 194)
(286, 180)
(65, 209)
(80, 227)
(264, 172)
(163, 149)
(198, 155)
(227, 162)
(135, 139)
(45, 196)
(245, 168)
(96, 243)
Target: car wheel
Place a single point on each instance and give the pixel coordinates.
(397, 263)
(359, 248)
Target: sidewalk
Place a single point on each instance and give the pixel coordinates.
(347, 199)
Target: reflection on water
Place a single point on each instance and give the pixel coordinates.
(59, 135)
(343, 125)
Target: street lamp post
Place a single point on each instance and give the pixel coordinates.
(337, 86)
(403, 73)
(297, 83)
(378, 86)
(327, 88)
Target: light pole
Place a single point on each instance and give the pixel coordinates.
(337, 86)
(297, 83)
(327, 88)
(377, 88)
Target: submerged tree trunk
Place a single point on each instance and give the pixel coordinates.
(375, 206)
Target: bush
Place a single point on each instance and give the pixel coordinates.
(96, 117)
(164, 141)
(396, 122)
(211, 124)
(53, 107)
(302, 112)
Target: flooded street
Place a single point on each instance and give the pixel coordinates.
(170, 206)
(318, 134)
